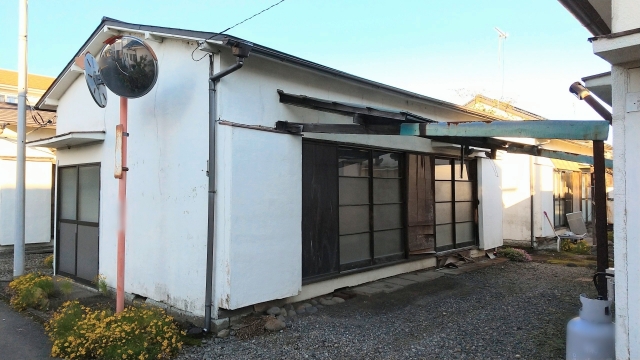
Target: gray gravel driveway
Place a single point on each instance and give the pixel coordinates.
(506, 311)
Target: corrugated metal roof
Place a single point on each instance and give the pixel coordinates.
(568, 165)
(10, 77)
(9, 115)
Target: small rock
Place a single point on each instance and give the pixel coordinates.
(301, 311)
(194, 331)
(274, 311)
(300, 308)
(280, 317)
(283, 312)
(292, 313)
(337, 300)
(518, 356)
(306, 305)
(314, 302)
(326, 302)
(312, 310)
(319, 306)
(223, 333)
(274, 325)
(232, 333)
(288, 307)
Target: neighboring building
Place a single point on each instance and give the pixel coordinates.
(295, 216)
(40, 165)
(616, 31)
(558, 187)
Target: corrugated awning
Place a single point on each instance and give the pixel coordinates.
(568, 165)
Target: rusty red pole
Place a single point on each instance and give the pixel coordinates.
(122, 203)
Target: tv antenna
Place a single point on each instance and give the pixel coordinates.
(129, 68)
(502, 36)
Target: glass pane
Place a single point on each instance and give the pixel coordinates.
(464, 232)
(443, 190)
(464, 211)
(387, 243)
(386, 191)
(464, 191)
(89, 193)
(443, 213)
(353, 162)
(354, 248)
(354, 219)
(387, 217)
(444, 235)
(354, 191)
(386, 165)
(68, 178)
(465, 171)
(443, 169)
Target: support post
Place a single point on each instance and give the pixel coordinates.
(18, 245)
(600, 197)
(122, 210)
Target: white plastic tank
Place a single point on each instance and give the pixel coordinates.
(591, 336)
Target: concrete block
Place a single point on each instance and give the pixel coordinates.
(219, 324)
(398, 281)
(385, 286)
(366, 290)
(428, 275)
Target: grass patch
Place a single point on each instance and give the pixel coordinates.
(31, 291)
(48, 261)
(514, 254)
(136, 333)
(581, 247)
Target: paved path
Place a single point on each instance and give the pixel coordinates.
(20, 337)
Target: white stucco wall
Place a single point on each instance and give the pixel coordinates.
(259, 214)
(167, 182)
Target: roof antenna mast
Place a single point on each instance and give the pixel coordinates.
(502, 36)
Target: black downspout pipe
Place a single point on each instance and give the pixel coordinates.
(599, 191)
(213, 81)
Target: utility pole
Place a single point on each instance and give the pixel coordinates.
(18, 245)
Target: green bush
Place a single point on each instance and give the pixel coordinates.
(580, 248)
(515, 254)
(48, 261)
(31, 291)
(136, 333)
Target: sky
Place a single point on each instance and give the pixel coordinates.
(443, 49)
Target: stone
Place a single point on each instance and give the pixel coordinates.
(292, 313)
(283, 312)
(314, 302)
(219, 324)
(300, 309)
(327, 302)
(338, 300)
(232, 333)
(274, 325)
(518, 356)
(312, 310)
(223, 333)
(319, 306)
(288, 307)
(194, 331)
(274, 311)
(280, 317)
(306, 305)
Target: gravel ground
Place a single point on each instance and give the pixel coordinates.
(33, 262)
(506, 311)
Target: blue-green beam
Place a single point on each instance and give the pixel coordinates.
(560, 155)
(537, 129)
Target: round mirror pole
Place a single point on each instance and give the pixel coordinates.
(121, 170)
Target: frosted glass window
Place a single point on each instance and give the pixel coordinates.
(443, 190)
(464, 211)
(354, 248)
(353, 162)
(68, 178)
(386, 191)
(387, 217)
(464, 233)
(354, 191)
(386, 165)
(387, 243)
(89, 193)
(442, 169)
(354, 219)
(444, 235)
(464, 191)
(443, 213)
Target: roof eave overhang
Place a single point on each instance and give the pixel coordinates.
(70, 140)
(587, 15)
(110, 27)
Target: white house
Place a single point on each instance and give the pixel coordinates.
(297, 214)
(532, 185)
(616, 30)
